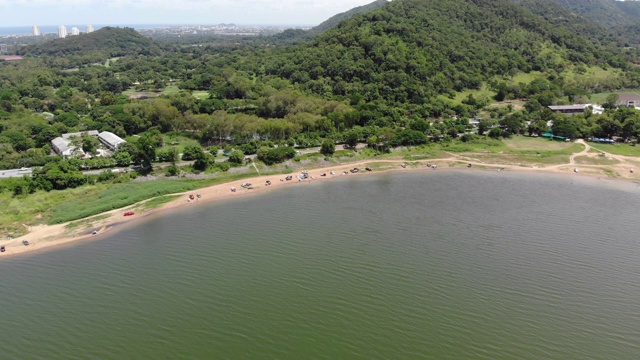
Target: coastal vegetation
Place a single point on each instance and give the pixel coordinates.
(407, 79)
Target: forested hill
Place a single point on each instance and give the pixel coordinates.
(297, 36)
(620, 17)
(111, 41)
(411, 50)
(609, 13)
(336, 19)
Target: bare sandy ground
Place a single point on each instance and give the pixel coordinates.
(47, 236)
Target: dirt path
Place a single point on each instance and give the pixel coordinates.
(584, 152)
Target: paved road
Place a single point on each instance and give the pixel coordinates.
(20, 173)
(12, 173)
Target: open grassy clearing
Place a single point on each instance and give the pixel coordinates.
(526, 77)
(200, 94)
(157, 202)
(522, 159)
(87, 223)
(171, 89)
(599, 160)
(177, 141)
(592, 72)
(533, 143)
(617, 149)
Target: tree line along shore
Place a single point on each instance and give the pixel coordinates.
(398, 80)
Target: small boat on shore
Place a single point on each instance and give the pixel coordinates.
(354, 170)
(323, 174)
(289, 177)
(94, 232)
(2, 248)
(246, 185)
(403, 165)
(368, 169)
(25, 242)
(233, 189)
(332, 172)
(268, 182)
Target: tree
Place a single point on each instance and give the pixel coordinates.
(485, 125)
(532, 105)
(191, 152)
(328, 147)
(273, 156)
(513, 123)
(610, 102)
(122, 158)
(146, 151)
(236, 157)
(90, 144)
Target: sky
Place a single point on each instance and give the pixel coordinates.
(121, 12)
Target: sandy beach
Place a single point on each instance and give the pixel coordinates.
(47, 236)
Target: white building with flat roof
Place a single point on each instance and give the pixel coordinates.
(63, 147)
(110, 140)
(62, 31)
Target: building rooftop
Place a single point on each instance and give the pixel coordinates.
(10, 57)
(628, 97)
(111, 138)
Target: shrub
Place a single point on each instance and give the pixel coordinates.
(328, 147)
(236, 157)
(275, 156)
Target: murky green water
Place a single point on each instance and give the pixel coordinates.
(442, 265)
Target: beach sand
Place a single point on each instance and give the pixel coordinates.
(48, 236)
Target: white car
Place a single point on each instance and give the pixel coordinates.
(24, 169)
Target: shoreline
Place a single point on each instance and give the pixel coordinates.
(43, 237)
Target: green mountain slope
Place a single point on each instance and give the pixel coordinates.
(411, 50)
(336, 19)
(296, 36)
(112, 41)
(620, 17)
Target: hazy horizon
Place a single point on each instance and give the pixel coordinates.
(178, 12)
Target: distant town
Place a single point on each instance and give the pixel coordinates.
(9, 43)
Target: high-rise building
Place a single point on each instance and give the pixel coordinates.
(62, 31)
(89, 29)
(35, 30)
(75, 31)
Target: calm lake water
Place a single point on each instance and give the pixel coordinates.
(442, 265)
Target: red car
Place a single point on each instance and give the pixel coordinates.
(129, 213)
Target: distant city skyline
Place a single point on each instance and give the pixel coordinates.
(257, 12)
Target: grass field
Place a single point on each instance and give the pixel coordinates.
(617, 149)
(599, 160)
(179, 142)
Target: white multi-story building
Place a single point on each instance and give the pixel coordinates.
(89, 29)
(62, 31)
(75, 31)
(35, 30)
